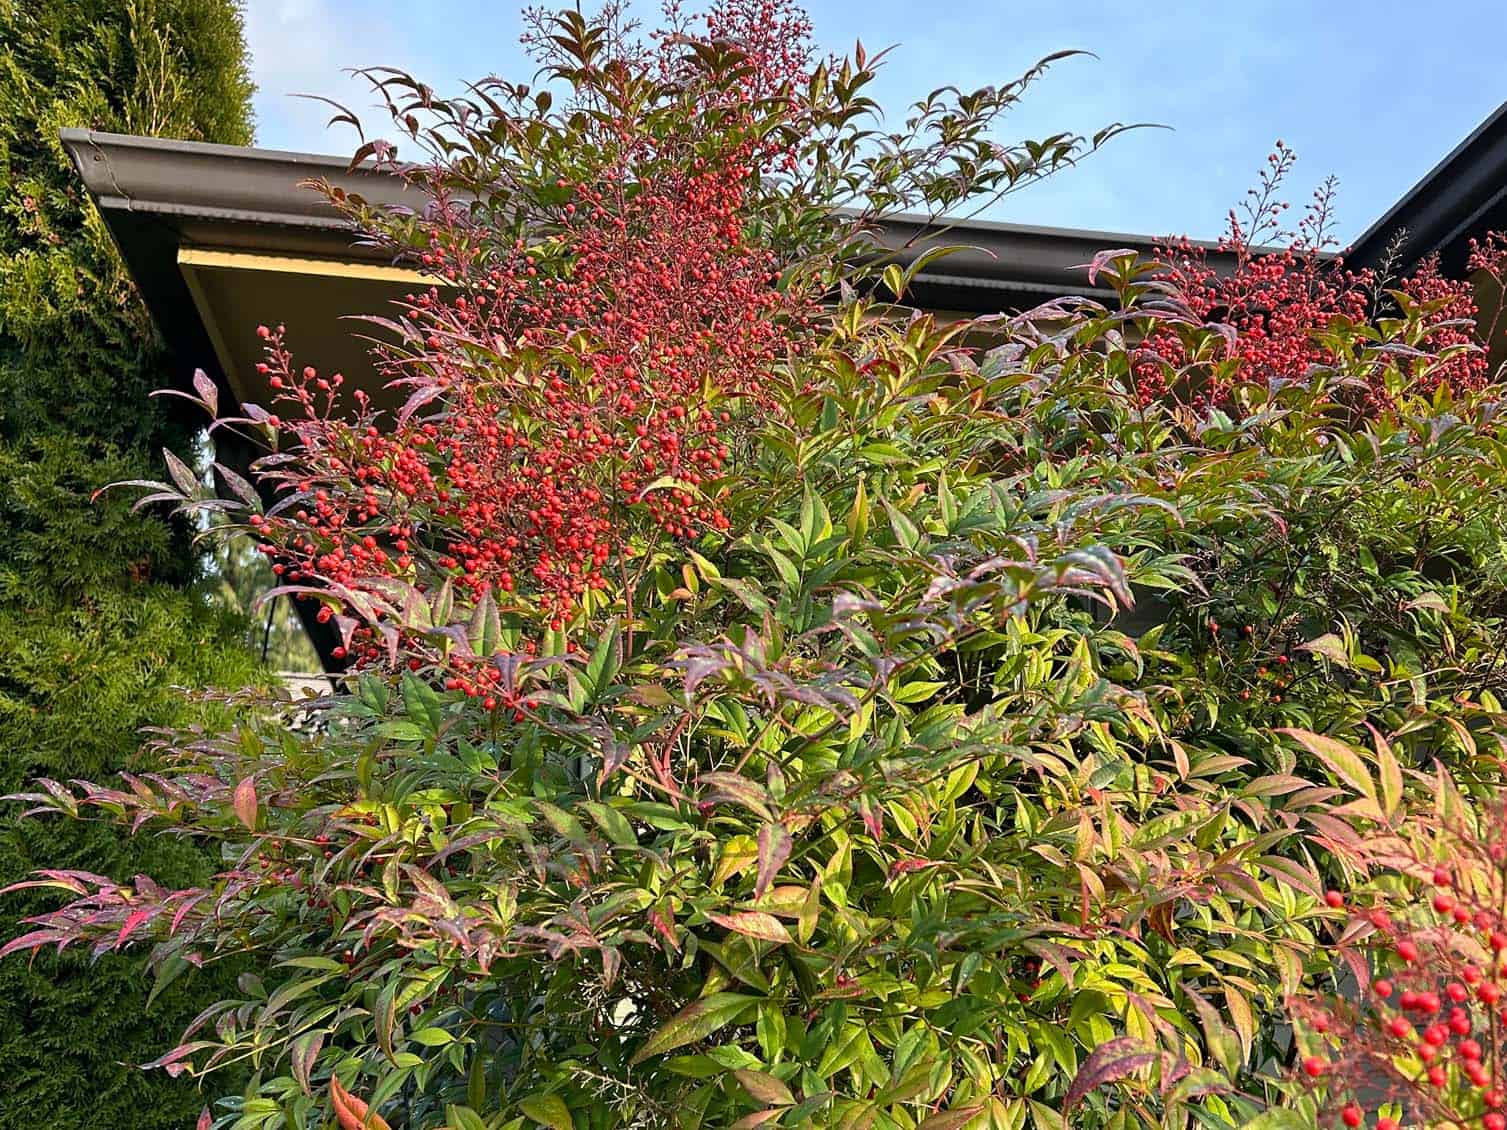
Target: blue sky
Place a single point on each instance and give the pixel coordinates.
(1373, 92)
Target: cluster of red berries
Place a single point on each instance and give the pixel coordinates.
(571, 389)
(1424, 1035)
(1279, 302)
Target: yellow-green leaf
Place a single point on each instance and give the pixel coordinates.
(694, 1022)
(548, 1110)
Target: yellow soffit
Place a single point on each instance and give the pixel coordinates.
(204, 258)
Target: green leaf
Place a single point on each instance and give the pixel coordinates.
(547, 1110)
(464, 1118)
(602, 665)
(695, 1022)
(422, 705)
(1279, 1118)
(1342, 760)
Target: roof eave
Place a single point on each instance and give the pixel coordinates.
(1460, 198)
(260, 200)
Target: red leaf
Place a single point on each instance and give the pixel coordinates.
(34, 940)
(352, 1113)
(873, 819)
(132, 922)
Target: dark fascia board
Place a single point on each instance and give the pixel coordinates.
(153, 191)
(1462, 197)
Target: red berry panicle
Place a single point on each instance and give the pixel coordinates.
(572, 386)
(1283, 295)
(1418, 1034)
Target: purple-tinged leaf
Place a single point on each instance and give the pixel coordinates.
(305, 1052)
(1102, 258)
(757, 1118)
(732, 789)
(420, 397)
(207, 392)
(1108, 1063)
(753, 924)
(951, 1119)
(181, 473)
(765, 1088)
(694, 1022)
(774, 849)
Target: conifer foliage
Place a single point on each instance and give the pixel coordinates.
(100, 617)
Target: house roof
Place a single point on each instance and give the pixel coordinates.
(220, 238)
(1462, 198)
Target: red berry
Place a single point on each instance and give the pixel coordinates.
(1352, 1116)
(1441, 877)
(1494, 1121)
(1334, 899)
(1383, 988)
(1407, 950)
(1313, 1067)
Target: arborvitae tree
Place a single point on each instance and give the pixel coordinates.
(103, 614)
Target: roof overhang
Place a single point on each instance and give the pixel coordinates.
(220, 238)
(1462, 198)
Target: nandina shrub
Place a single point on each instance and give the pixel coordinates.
(731, 738)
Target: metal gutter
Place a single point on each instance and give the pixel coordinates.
(222, 182)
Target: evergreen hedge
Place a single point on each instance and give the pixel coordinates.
(102, 612)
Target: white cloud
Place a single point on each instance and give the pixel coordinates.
(306, 47)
